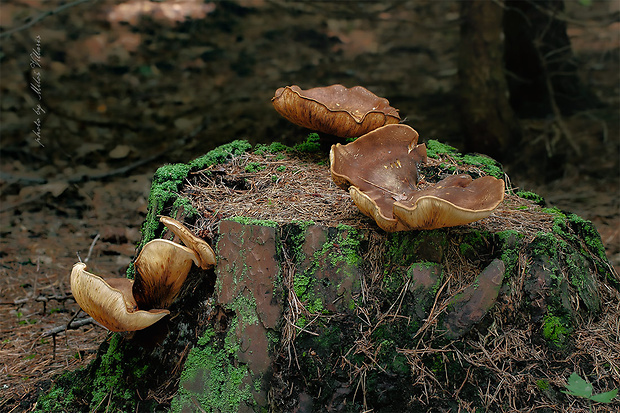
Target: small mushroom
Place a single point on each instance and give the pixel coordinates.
(162, 266)
(335, 110)
(161, 269)
(206, 256)
(110, 302)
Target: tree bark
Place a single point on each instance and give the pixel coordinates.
(489, 123)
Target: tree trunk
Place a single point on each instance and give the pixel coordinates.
(488, 121)
(540, 61)
(333, 314)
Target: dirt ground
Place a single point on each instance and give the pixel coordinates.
(127, 86)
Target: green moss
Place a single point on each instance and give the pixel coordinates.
(404, 248)
(245, 307)
(253, 221)
(508, 242)
(109, 377)
(296, 235)
(221, 154)
(63, 395)
(488, 165)
(339, 252)
(272, 148)
(281, 168)
(588, 233)
(213, 379)
(168, 180)
(401, 247)
(555, 330)
(310, 145)
(435, 148)
(542, 384)
(254, 167)
(182, 203)
(347, 243)
(108, 384)
(531, 196)
(390, 359)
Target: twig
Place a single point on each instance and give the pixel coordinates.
(73, 325)
(41, 17)
(92, 245)
(41, 299)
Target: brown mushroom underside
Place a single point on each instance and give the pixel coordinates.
(456, 200)
(161, 270)
(335, 110)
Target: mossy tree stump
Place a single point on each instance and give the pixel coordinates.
(311, 307)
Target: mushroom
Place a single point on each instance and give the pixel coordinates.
(378, 169)
(110, 302)
(380, 172)
(121, 304)
(206, 257)
(335, 110)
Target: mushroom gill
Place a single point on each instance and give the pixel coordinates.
(335, 109)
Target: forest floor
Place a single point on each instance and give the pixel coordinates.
(130, 85)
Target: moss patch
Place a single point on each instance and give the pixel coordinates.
(213, 380)
(435, 149)
(310, 145)
(168, 180)
(531, 196)
(555, 330)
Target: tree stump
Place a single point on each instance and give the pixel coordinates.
(312, 308)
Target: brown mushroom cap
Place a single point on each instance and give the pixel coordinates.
(110, 302)
(382, 164)
(335, 110)
(380, 171)
(456, 200)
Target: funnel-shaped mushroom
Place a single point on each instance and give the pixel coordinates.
(335, 110)
(110, 302)
(383, 164)
(161, 269)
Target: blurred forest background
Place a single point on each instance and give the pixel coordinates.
(95, 95)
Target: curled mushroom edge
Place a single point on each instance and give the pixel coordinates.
(121, 304)
(335, 110)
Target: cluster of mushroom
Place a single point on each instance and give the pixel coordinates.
(380, 168)
(121, 304)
